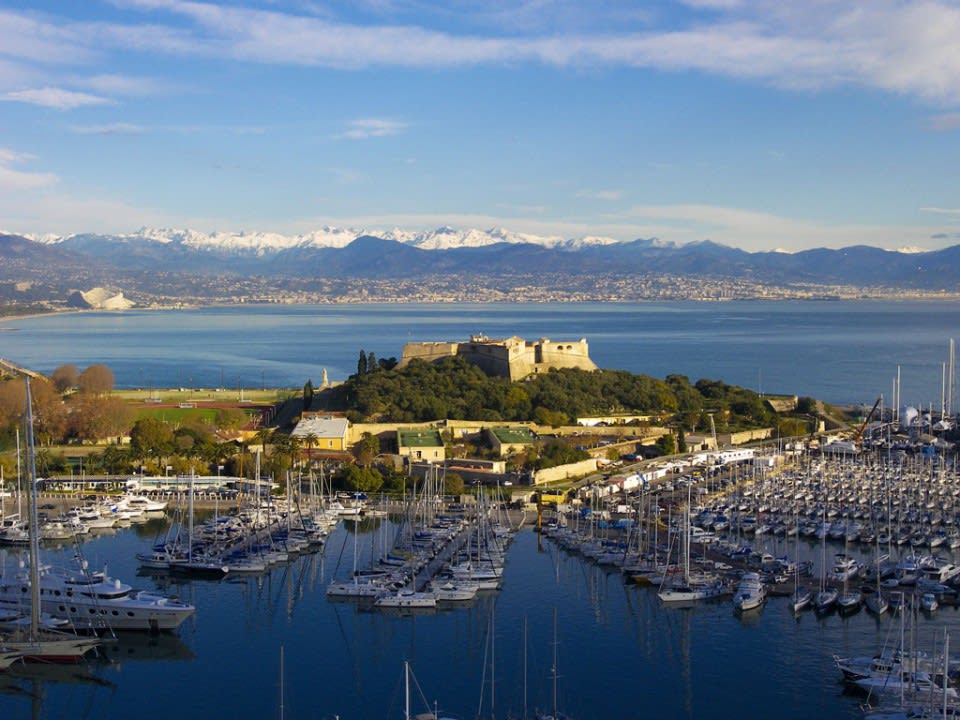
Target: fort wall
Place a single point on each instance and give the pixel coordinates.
(511, 357)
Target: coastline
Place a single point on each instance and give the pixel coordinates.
(831, 295)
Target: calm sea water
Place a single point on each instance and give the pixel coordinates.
(621, 653)
(844, 352)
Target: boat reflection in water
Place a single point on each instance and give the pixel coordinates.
(146, 646)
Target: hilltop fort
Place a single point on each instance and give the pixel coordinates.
(511, 357)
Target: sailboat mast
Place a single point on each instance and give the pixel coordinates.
(406, 688)
(34, 521)
(555, 662)
(525, 666)
(190, 523)
(281, 682)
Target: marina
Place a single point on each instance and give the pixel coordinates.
(624, 627)
(615, 647)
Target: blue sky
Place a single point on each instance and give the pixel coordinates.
(759, 124)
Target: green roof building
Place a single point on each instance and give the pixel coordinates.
(509, 440)
(421, 444)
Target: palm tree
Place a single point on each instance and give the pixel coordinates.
(311, 440)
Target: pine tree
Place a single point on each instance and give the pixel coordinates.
(362, 363)
(372, 365)
(308, 395)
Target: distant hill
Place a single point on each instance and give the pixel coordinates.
(180, 263)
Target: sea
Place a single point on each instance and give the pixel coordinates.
(841, 351)
(274, 646)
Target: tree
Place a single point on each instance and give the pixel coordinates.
(372, 363)
(65, 378)
(353, 477)
(362, 364)
(666, 444)
(97, 379)
(310, 440)
(151, 437)
(230, 418)
(552, 418)
(367, 449)
(308, 395)
(453, 484)
(558, 452)
(117, 460)
(807, 405)
(93, 418)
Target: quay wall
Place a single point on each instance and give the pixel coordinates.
(565, 472)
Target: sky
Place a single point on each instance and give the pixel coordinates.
(759, 124)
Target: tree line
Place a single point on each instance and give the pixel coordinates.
(455, 389)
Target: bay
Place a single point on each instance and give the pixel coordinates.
(844, 352)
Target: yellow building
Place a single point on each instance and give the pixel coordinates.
(326, 432)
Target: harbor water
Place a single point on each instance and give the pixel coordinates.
(620, 652)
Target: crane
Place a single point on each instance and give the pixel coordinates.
(859, 434)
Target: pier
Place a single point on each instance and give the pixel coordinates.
(8, 367)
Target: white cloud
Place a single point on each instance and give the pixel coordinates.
(600, 194)
(373, 127)
(111, 129)
(756, 231)
(904, 48)
(941, 211)
(125, 85)
(944, 122)
(11, 179)
(43, 39)
(56, 98)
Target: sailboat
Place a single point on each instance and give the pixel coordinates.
(555, 714)
(687, 590)
(848, 601)
(802, 597)
(876, 602)
(38, 644)
(408, 678)
(826, 598)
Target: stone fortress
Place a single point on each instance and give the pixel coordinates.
(512, 357)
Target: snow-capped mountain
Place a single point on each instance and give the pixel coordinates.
(264, 243)
(332, 252)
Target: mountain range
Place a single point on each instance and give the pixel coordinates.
(398, 254)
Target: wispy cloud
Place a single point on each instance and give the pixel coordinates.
(904, 48)
(944, 122)
(125, 85)
(941, 211)
(11, 179)
(754, 230)
(56, 98)
(111, 129)
(372, 127)
(600, 194)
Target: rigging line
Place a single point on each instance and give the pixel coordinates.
(483, 674)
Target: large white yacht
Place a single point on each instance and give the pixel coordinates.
(94, 600)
